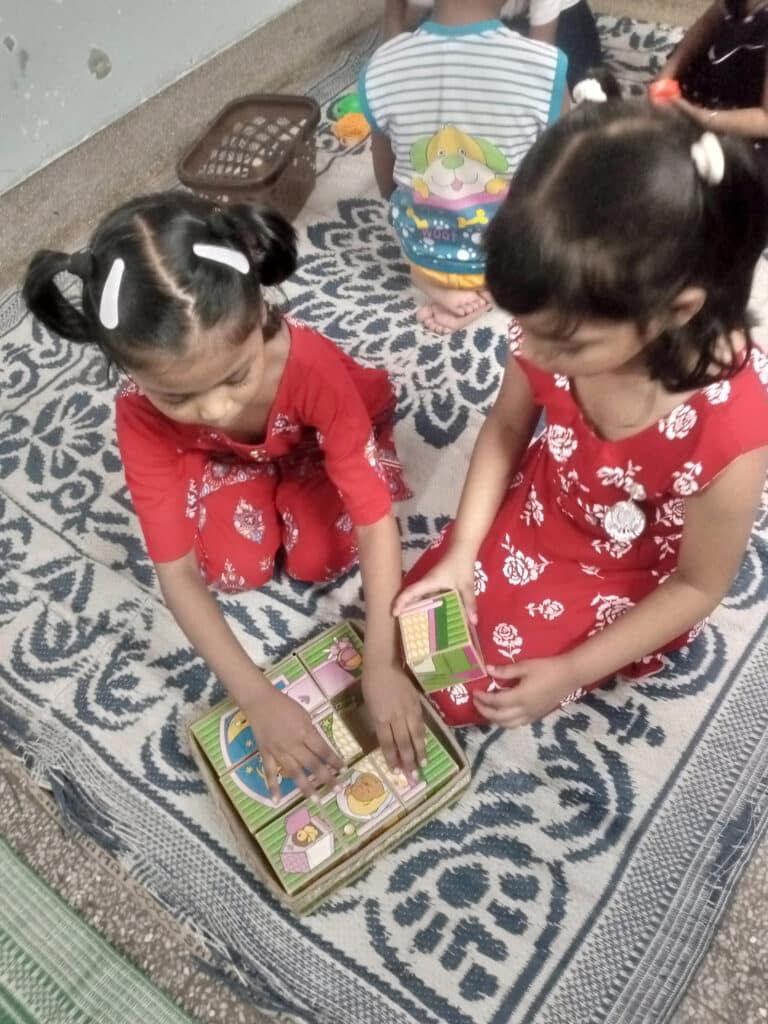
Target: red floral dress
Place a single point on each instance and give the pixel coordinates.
(589, 527)
(326, 464)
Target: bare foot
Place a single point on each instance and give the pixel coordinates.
(440, 321)
(456, 301)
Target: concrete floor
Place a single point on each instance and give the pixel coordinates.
(56, 208)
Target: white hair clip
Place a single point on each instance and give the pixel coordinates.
(709, 158)
(588, 90)
(110, 295)
(222, 254)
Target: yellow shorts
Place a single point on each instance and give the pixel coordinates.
(448, 280)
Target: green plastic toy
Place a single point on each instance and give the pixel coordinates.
(349, 104)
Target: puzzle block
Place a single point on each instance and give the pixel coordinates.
(224, 733)
(439, 768)
(334, 660)
(246, 787)
(439, 644)
(366, 799)
(207, 732)
(337, 733)
(305, 842)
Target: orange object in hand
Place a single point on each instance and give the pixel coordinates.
(664, 90)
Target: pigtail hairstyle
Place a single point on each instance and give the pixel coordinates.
(609, 217)
(46, 301)
(187, 265)
(267, 238)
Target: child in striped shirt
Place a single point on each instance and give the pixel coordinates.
(454, 107)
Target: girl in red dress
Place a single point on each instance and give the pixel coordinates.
(625, 250)
(242, 433)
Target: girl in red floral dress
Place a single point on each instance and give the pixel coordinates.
(242, 433)
(626, 251)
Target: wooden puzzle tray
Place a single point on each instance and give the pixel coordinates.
(304, 849)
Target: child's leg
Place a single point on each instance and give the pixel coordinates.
(578, 38)
(449, 308)
(318, 535)
(239, 533)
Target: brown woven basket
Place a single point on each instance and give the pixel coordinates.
(259, 148)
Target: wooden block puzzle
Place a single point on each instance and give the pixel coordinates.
(303, 838)
(439, 644)
(334, 660)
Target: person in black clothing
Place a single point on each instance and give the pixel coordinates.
(722, 69)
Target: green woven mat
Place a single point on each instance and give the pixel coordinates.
(55, 969)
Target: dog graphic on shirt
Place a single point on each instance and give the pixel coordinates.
(454, 170)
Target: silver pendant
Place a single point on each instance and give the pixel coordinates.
(624, 521)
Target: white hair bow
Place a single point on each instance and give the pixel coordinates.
(709, 158)
(588, 90)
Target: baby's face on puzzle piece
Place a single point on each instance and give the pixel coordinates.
(596, 346)
(214, 383)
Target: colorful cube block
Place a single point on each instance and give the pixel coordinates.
(246, 787)
(306, 842)
(335, 730)
(439, 644)
(334, 660)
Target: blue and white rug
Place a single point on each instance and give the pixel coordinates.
(582, 874)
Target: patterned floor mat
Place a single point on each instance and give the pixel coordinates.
(582, 874)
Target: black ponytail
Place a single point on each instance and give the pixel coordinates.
(45, 300)
(167, 291)
(267, 238)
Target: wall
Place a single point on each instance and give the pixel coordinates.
(70, 67)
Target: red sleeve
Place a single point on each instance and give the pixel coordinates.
(329, 399)
(161, 479)
(736, 422)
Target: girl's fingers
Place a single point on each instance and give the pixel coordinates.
(414, 593)
(295, 772)
(388, 745)
(322, 750)
(505, 718)
(271, 775)
(404, 745)
(320, 773)
(418, 738)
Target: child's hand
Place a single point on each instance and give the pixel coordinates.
(455, 571)
(542, 684)
(395, 709)
(290, 745)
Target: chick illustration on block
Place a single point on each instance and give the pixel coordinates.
(439, 644)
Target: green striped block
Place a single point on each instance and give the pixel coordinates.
(450, 624)
(439, 645)
(440, 764)
(290, 669)
(207, 733)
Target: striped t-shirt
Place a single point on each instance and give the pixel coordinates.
(461, 106)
